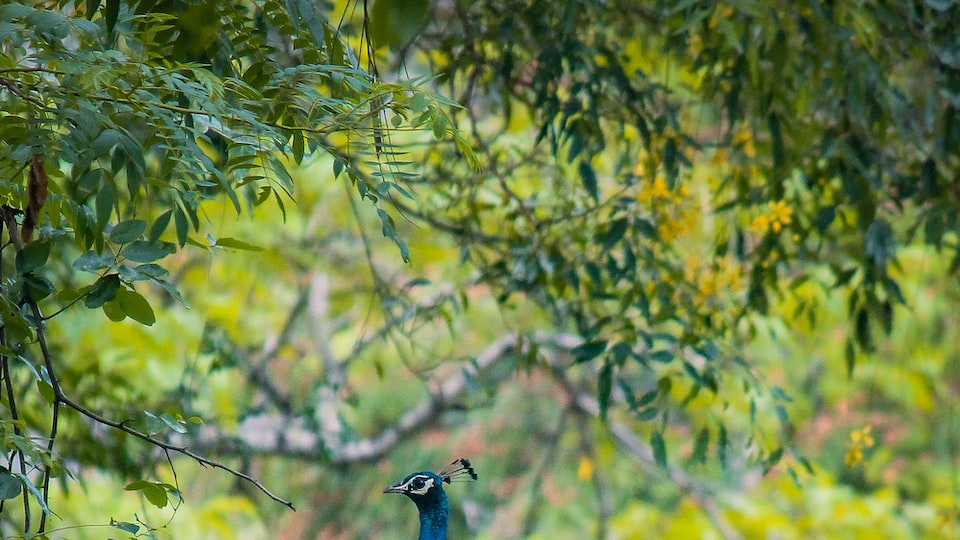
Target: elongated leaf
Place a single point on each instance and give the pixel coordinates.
(125, 526)
(589, 350)
(659, 449)
(110, 14)
(604, 387)
(614, 233)
(159, 225)
(700, 446)
(105, 202)
(172, 423)
(233, 243)
(589, 180)
(34, 490)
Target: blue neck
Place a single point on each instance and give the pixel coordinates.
(433, 518)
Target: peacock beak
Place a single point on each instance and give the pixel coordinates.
(396, 488)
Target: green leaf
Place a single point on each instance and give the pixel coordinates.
(171, 290)
(153, 423)
(646, 414)
(10, 486)
(297, 147)
(589, 350)
(589, 180)
(233, 243)
(34, 490)
(32, 256)
(700, 446)
(106, 200)
(104, 290)
(648, 398)
(136, 307)
(113, 311)
(156, 493)
(722, 445)
(159, 225)
(91, 262)
(91, 7)
(614, 233)
(771, 461)
(850, 357)
(180, 222)
(46, 391)
(863, 333)
(36, 287)
(662, 356)
(604, 387)
(127, 231)
(794, 478)
(125, 526)
(659, 449)
(394, 23)
(173, 423)
(110, 14)
(880, 243)
(144, 252)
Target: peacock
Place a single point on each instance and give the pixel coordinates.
(426, 490)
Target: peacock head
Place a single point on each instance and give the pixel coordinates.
(426, 488)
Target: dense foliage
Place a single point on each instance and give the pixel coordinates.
(713, 244)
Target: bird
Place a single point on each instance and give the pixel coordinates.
(425, 489)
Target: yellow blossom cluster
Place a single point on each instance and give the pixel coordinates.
(744, 140)
(774, 220)
(723, 275)
(672, 216)
(860, 440)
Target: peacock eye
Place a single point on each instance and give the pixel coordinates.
(417, 483)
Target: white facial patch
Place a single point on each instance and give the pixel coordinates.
(419, 484)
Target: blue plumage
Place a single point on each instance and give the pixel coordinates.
(425, 489)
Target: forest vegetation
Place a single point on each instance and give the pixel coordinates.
(658, 269)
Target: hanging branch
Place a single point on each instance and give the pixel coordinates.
(14, 413)
(9, 219)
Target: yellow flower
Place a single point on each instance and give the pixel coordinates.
(659, 188)
(780, 215)
(585, 469)
(860, 440)
(863, 437)
(853, 456)
(744, 138)
(761, 224)
(780, 212)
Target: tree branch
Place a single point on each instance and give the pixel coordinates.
(9, 220)
(285, 436)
